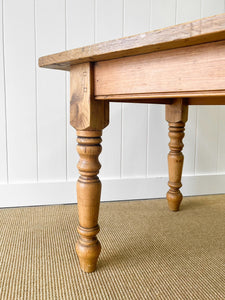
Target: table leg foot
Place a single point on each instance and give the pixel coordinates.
(88, 195)
(88, 249)
(174, 199)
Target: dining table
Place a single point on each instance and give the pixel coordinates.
(176, 66)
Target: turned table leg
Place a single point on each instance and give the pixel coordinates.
(176, 115)
(88, 117)
(88, 196)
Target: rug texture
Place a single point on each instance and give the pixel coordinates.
(148, 252)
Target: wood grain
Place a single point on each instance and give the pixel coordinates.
(88, 117)
(88, 195)
(192, 98)
(176, 116)
(85, 112)
(191, 33)
(183, 70)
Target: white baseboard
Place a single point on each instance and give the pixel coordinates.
(47, 193)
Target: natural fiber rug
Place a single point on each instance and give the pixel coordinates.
(148, 252)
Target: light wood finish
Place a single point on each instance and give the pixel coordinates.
(192, 69)
(137, 98)
(209, 100)
(182, 35)
(176, 66)
(88, 117)
(85, 112)
(88, 194)
(192, 98)
(176, 116)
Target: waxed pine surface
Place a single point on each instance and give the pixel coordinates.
(148, 252)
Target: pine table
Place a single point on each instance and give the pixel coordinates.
(177, 66)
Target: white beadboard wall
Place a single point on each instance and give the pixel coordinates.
(37, 145)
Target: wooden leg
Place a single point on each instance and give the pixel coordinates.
(88, 195)
(176, 115)
(175, 164)
(88, 117)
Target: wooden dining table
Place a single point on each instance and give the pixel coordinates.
(177, 66)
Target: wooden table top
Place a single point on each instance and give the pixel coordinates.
(187, 34)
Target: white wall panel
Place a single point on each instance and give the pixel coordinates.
(188, 10)
(108, 20)
(48, 193)
(108, 26)
(207, 140)
(212, 7)
(135, 116)
(221, 140)
(38, 145)
(134, 140)
(19, 41)
(157, 141)
(189, 141)
(51, 102)
(3, 136)
(80, 21)
(163, 13)
(136, 16)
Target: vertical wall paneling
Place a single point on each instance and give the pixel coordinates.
(3, 136)
(51, 116)
(38, 154)
(208, 117)
(163, 14)
(188, 11)
(80, 28)
(79, 32)
(212, 7)
(108, 20)
(158, 141)
(136, 16)
(221, 141)
(158, 127)
(19, 45)
(135, 116)
(109, 25)
(207, 138)
(189, 141)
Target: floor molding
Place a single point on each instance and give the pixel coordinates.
(47, 193)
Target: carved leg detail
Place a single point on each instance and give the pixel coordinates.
(176, 116)
(175, 164)
(88, 194)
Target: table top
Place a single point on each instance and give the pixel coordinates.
(182, 35)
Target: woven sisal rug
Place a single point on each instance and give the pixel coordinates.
(148, 252)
